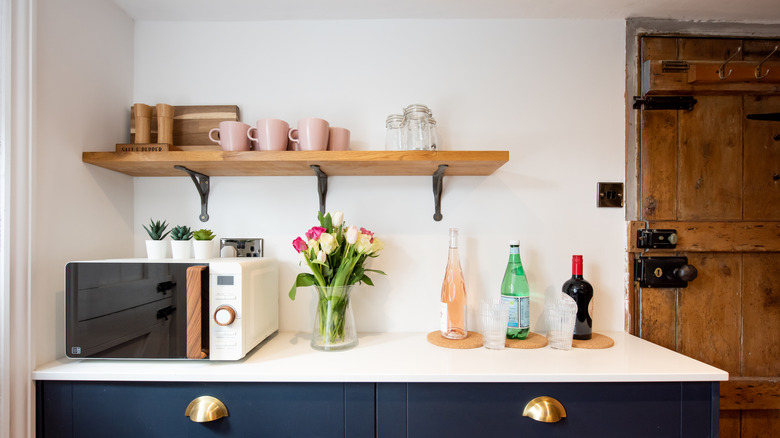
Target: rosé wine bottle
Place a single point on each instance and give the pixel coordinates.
(453, 294)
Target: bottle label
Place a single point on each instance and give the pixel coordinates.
(514, 307)
(524, 312)
(443, 326)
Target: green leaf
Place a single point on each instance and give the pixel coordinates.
(326, 222)
(302, 280)
(367, 280)
(376, 270)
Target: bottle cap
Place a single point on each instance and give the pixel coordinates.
(514, 243)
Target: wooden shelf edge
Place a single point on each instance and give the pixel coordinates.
(289, 163)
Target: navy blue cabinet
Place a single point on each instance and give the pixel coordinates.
(383, 410)
(666, 409)
(156, 409)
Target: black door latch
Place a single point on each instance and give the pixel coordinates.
(663, 272)
(656, 239)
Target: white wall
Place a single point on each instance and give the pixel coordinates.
(84, 80)
(549, 91)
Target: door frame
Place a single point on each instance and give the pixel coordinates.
(635, 29)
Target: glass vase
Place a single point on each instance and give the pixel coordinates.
(334, 324)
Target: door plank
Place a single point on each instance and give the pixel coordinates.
(659, 48)
(761, 316)
(760, 424)
(762, 160)
(750, 393)
(659, 156)
(715, 236)
(729, 424)
(659, 317)
(709, 328)
(710, 160)
(705, 49)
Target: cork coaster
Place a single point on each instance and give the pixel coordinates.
(597, 341)
(472, 340)
(534, 340)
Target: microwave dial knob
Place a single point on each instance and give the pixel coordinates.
(224, 315)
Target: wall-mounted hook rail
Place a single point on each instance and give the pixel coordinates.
(322, 185)
(758, 67)
(722, 69)
(438, 178)
(202, 184)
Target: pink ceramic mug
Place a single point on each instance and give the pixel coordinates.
(232, 136)
(312, 135)
(338, 139)
(271, 134)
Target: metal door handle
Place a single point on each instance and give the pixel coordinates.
(686, 273)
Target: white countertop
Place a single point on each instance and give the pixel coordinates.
(403, 357)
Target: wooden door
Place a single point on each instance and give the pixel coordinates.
(713, 174)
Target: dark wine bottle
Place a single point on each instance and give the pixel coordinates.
(582, 293)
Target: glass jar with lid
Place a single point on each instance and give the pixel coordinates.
(394, 139)
(416, 127)
(433, 135)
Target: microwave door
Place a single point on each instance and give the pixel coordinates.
(126, 310)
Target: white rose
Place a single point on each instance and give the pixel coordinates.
(363, 244)
(327, 242)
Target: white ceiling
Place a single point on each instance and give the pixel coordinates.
(763, 11)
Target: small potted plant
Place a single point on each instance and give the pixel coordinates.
(155, 247)
(181, 247)
(203, 244)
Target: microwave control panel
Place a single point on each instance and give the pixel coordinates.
(225, 321)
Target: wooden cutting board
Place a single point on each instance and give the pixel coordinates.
(191, 124)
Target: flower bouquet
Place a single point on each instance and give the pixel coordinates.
(336, 255)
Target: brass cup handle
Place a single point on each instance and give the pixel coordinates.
(205, 408)
(545, 409)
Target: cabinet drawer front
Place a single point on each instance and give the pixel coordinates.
(592, 409)
(152, 409)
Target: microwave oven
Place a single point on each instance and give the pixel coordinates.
(216, 309)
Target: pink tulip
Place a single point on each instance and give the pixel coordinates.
(352, 234)
(315, 233)
(299, 245)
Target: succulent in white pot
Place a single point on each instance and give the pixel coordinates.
(203, 245)
(181, 244)
(156, 248)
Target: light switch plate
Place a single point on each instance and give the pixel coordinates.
(610, 194)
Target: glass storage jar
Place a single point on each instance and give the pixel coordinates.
(416, 128)
(394, 139)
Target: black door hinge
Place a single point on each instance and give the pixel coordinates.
(664, 103)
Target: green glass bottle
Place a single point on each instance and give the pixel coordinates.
(514, 290)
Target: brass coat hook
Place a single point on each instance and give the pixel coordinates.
(758, 67)
(722, 69)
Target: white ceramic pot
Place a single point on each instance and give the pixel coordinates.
(156, 249)
(181, 249)
(203, 249)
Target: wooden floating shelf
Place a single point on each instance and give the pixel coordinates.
(298, 163)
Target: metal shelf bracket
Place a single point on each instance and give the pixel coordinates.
(438, 180)
(202, 184)
(322, 185)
